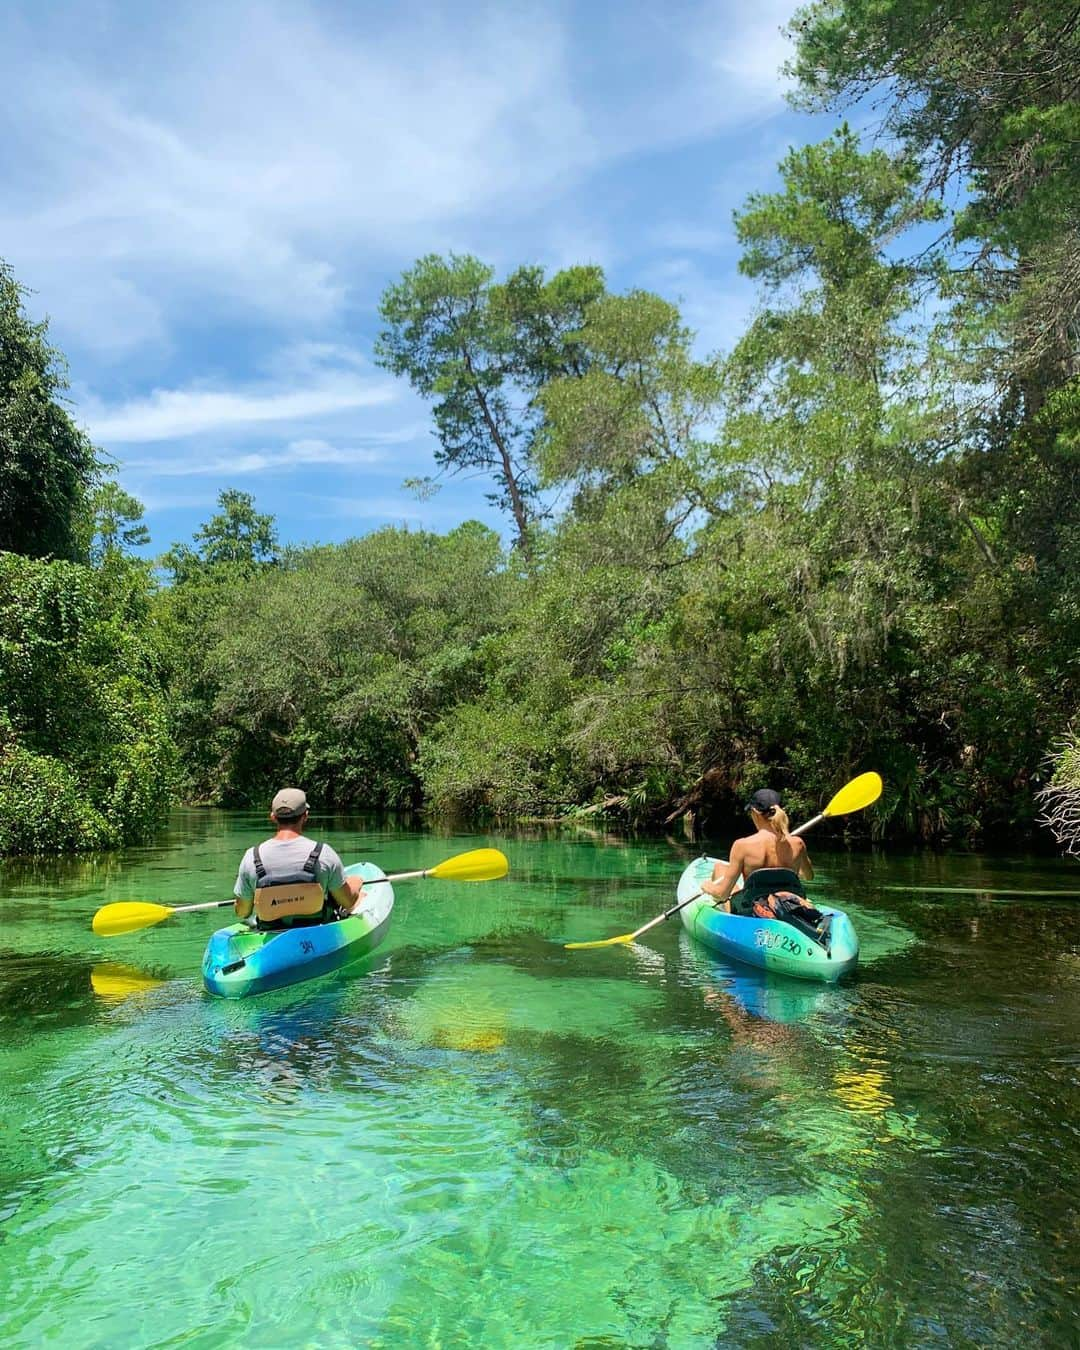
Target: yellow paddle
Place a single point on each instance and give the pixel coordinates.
(123, 916)
(854, 796)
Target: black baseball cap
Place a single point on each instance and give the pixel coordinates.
(764, 801)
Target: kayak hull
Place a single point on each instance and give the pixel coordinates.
(769, 944)
(239, 961)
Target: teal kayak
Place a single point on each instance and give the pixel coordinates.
(771, 944)
(239, 960)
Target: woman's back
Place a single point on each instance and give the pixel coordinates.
(771, 846)
(766, 849)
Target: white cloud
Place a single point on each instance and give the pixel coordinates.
(319, 381)
(255, 160)
(168, 414)
(753, 50)
(293, 455)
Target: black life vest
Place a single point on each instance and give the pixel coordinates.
(290, 899)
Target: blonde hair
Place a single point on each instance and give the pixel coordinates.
(776, 820)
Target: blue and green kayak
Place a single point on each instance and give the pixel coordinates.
(239, 960)
(771, 944)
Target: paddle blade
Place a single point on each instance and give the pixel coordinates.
(113, 982)
(854, 796)
(128, 917)
(481, 864)
(604, 942)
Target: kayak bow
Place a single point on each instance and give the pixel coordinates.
(240, 960)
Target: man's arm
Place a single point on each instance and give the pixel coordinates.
(244, 891)
(345, 891)
(347, 895)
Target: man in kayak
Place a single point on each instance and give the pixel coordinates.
(291, 881)
(770, 846)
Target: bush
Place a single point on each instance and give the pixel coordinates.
(85, 755)
(43, 807)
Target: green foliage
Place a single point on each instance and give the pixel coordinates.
(238, 533)
(636, 405)
(116, 522)
(838, 207)
(834, 574)
(983, 96)
(44, 808)
(238, 537)
(329, 669)
(85, 754)
(47, 465)
(494, 757)
(482, 351)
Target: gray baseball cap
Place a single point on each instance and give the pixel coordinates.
(289, 804)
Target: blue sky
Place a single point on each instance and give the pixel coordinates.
(207, 201)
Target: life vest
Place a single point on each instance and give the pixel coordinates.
(289, 899)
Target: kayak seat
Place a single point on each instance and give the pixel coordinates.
(764, 882)
(781, 881)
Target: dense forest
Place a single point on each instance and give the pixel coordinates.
(851, 542)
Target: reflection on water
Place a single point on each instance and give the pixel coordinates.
(477, 1137)
(113, 980)
(863, 1090)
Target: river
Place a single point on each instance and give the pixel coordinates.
(477, 1137)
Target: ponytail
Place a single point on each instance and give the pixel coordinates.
(776, 819)
(779, 822)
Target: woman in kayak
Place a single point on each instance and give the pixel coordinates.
(770, 846)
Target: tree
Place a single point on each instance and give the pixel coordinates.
(47, 465)
(372, 640)
(85, 754)
(855, 559)
(831, 375)
(238, 533)
(116, 521)
(483, 351)
(981, 95)
(636, 403)
(238, 536)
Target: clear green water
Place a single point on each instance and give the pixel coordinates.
(478, 1138)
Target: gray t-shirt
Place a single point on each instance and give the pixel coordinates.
(285, 856)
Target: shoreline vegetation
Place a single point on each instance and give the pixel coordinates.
(851, 542)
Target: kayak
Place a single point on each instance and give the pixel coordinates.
(771, 944)
(239, 960)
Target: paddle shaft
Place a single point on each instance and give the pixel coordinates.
(220, 904)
